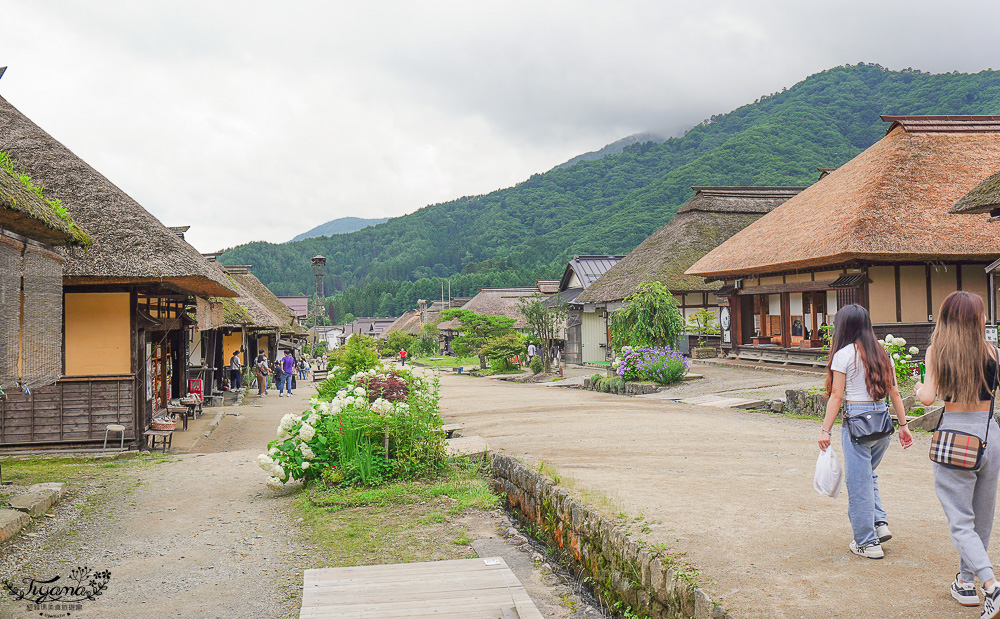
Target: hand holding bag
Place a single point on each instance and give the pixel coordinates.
(961, 450)
(828, 474)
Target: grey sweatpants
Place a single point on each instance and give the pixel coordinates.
(969, 497)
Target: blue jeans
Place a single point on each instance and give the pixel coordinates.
(864, 504)
(286, 382)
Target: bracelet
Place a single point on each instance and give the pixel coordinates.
(903, 425)
(824, 430)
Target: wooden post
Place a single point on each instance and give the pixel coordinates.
(786, 320)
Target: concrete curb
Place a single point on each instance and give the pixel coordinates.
(759, 368)
(215, 423)
(11, 523)
(31, 504)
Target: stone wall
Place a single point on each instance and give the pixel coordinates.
(620, 386)
(620, 568)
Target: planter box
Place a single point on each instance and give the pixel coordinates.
(704, 352)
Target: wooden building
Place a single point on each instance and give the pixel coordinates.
(581, 272)
(985, 198)
(498, 302)
(127, 303)
(875, 231)
(713, 215)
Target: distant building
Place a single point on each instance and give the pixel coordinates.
(298, 305)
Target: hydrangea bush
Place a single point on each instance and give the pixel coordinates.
(902, 357)
(373, 426)
(661, 365)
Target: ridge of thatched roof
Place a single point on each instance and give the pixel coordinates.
(129, 244)
(408, 322)
(713, 215)
(983, 198)
(888, 204)
(23, 211)
(263, 295)
(497, 302)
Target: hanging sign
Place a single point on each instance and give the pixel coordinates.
(991, 333)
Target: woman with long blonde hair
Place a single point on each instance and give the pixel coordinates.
(961, 368)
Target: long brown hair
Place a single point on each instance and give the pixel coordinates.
(853, 325)
(959, 348)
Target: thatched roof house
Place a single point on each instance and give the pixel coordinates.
(24, 212)
(130, 246)
(408, 322)
(264, 307)
(497, 302)
(876, 231)
(713, 215)
(983, 198)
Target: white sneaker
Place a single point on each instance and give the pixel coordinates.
(882, 532)
(871, 551)
(964, 592)
(991, 603)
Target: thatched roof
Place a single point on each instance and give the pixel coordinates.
(129, 245)
(265, 308)
(889, 204)
(713, 215)
(983, 198)
(408, 323)
(496, 302)
(24, 212)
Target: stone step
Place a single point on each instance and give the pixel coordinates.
(717, 401)
(466, 446)
(11, 523)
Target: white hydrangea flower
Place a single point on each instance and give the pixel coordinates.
(889, 338)
(900, 341)
(273, 451)
(895, 356)
(881, 342)
(282, 433)
(914, 350)
(342, 393)
(273, 483)
(307, 432)
(265, 461)
(288, 422)
(305, 465)
(278, 471)
(307, 453)
(359, 391)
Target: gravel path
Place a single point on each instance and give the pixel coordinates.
(188, 535)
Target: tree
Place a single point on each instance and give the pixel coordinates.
(702, 323)
(499, 351)
(477, 329)
(650, 318)
(427, 341)
(396, 341)
(544, 322)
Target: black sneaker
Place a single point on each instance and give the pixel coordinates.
(964, 592)
(991, 603)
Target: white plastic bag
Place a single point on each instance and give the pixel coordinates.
(828, 473)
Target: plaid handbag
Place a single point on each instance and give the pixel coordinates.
(961, 450)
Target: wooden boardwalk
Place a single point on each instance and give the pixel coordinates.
(461, 589)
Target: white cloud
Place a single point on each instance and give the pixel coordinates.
(253, 120)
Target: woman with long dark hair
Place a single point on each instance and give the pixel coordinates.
(860, 375)
(961, 369)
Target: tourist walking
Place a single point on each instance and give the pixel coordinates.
(261, 370)
(236, 370)
(961, 369)
(860, 374)
(531, 351)
(302, 368)
(287, 373)
(402, 357)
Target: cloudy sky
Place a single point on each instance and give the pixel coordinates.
(259, 120)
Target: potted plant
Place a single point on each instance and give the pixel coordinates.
(703, 323)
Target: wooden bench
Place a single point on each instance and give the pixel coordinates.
(166, 438)
(450, 430)
(319, 375)
(183, 411)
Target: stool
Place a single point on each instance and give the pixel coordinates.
(114, 427)
(166, 438)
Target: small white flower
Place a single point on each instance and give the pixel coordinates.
(307, 432)
(307, 452)
(900, 341)
(881, 342)
(282, 433)
(914, 350)
(895, 356)
(273, 451)
(359, 391)
(273, 483)
(277, 470)
(305, 465)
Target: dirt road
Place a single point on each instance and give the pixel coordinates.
(733, 490)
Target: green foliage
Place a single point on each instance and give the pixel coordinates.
(702, 323)
(396, 341)
(544, 322)
(650, 318)
(660, 365)
(902, 357)
(7, 164)
(536, 365)
(477, 330)
(609, 205)
(360, 353)
(427, 341)
(500, 351)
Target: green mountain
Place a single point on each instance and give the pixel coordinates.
(609, 205)
(342, 225)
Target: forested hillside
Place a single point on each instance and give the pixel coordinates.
(342, 225)
(513, 236)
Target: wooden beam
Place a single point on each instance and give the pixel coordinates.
(930, 298)
(899, 305)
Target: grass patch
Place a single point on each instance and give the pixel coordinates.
(444, 363)
(27, 471)
(399, 522)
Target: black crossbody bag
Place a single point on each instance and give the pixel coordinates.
(870, 426)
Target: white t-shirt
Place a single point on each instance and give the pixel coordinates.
(848, 361)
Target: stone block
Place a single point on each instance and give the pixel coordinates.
(703, 605)
(34, 502)
(656, 580)
(644, 570)
(57, 486)
(11, 523)
(776, 406)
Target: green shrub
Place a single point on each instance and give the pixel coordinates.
(500, 351)
(536, 365)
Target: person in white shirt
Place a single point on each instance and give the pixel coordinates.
(861, 369)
